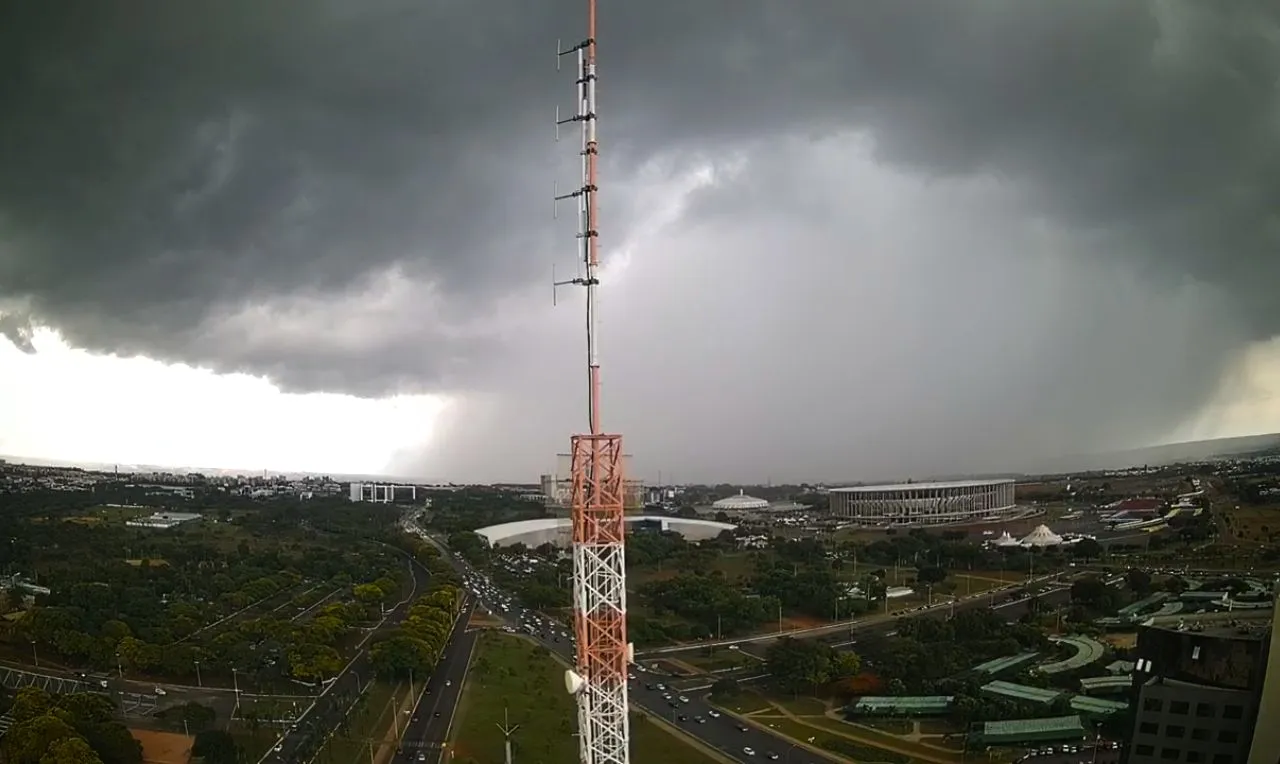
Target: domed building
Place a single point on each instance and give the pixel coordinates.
(740, 503)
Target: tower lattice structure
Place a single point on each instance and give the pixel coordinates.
(599, 680)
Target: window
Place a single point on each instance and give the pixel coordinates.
(1143, 750)
(1232, 711)
(1179, 707)
(1194, 757)
(1195, 653)
(1204, 710)
(1228, 736)
(1223, 758)
(1175, 731)
(1169, 754)
(1148, 728)
(1200, 734)
(1152, 704)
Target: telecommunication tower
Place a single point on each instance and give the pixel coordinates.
(599, 680)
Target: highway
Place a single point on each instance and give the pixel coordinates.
(735, 740)
(433, 717)
(307, 734)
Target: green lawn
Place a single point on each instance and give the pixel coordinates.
(512, 677)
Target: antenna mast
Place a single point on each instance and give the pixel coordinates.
(599, 680)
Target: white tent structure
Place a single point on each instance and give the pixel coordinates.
(1005, 540)
(1041, 537)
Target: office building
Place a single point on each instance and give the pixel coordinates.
(1198, 681)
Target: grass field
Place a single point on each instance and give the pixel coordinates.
(806, 719)
(1254, 524)
(514, 681)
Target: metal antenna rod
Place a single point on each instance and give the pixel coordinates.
(599, 679)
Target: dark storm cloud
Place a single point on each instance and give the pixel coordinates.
(162, 163)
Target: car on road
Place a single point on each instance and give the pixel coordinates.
(749, 751)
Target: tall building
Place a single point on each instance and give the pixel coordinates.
(556, 487)
(1198, 683)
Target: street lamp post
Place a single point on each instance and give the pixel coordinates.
(35, 656)
(199, 681)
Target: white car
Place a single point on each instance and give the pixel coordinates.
(749, 751)
(160, 691)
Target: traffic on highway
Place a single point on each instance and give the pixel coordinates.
(691, 713)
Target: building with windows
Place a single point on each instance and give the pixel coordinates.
(923, 503)
(1197, 683)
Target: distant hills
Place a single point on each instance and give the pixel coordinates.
(1170, 453)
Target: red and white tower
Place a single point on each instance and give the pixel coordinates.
(599, 681)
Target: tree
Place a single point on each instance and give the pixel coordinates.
(1087, 549)
(72, 750)
(931, 575)
(369, 594)
(216, 747)
(28, 741)
(1139, 581)
(797, 664)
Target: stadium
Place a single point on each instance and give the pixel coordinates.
(556, 530)
(923, 503)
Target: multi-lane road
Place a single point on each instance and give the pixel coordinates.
(428, 730)
(306, 735)
(691, 713)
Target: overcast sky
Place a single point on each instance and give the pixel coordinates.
(842, 240)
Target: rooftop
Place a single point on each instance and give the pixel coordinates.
(997, 665)
(905, 702)
(1021, 692)
(925, 485)
(1087, 705)
(1029, 726)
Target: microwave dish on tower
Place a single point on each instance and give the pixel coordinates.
(599, 680)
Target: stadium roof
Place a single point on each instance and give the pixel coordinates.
(1021, 692)
(933, 484)
(496, 534)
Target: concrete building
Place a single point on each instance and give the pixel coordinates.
(556, 530)
(557, 487)
(1197, 686)
(383, 493)
(923, 503)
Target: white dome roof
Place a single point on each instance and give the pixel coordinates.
(1006, 540)
(1041, 536)
(740, 502)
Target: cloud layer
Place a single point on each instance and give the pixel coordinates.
(934, 236)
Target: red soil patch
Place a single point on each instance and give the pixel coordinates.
(793, 623)
(163, 747)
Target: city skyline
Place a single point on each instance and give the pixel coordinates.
(834, 259)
